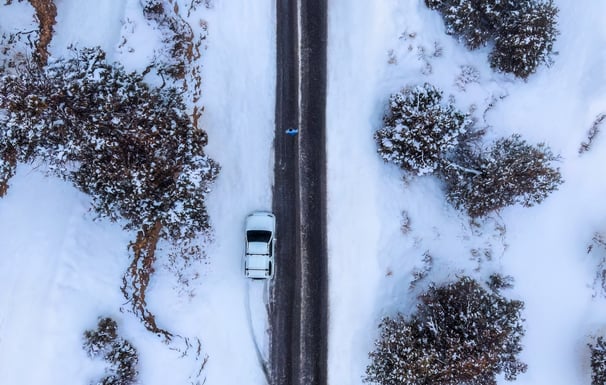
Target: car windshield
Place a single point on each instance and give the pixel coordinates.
(258, 236)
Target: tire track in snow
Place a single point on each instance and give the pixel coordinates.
(255, 290)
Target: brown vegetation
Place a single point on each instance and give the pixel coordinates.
(46, 12)
(10, 157)
(183, 46)
(137, 277)
(593, 132)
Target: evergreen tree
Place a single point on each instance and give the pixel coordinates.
(460, 334)
(419, 130)
(511, 172)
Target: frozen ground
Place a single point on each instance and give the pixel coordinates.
(60, 270)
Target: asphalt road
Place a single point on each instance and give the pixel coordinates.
(299, 297)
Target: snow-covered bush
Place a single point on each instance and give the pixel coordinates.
(525, 38)
(598, 362)
(523, 31)
(468, 75)
(178, 37)
(472, 21)
(422, 135)
(511, 171)
(419, 130)
(132, 147)
(120, 354)
(460, 334)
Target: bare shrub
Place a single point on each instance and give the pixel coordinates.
(498, 282)
(183, 259)
(468, 75)
(593, 132)
(421, 273)
(120, 354)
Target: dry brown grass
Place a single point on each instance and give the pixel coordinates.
(3, 188)
(137, 277)
(593, 132)
(46, 12)
(11, 158)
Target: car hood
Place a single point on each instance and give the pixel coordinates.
(258, 248)
(260, 221)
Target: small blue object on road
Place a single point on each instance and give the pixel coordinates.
(292, 131)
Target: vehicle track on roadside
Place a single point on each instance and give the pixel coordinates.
(256, 337)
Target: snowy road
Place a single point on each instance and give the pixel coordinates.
(299, 295)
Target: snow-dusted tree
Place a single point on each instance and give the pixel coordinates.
(472, 21)
(525, 38)
(511, 171)
(131, 146)
(598, 362)
(460, 334)
(523, 31)
(419, 130)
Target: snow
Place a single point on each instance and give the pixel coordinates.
(88, 25)
(18, 18)
(355, 213)
(543, 248)
(239, 83)
(60, 269)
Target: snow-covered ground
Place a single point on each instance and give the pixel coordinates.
(60, 270)
(376, 49)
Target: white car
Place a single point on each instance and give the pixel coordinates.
(260, 245)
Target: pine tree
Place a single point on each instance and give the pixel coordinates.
(419, 130)
(511, 171)
(460, 334)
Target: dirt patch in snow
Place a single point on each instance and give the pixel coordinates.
(137, 277)
(46, 13)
